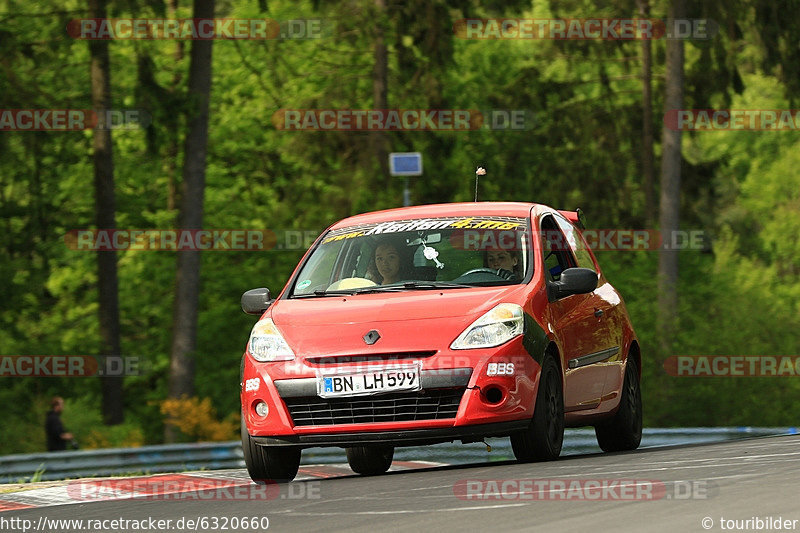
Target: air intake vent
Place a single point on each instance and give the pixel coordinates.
(432, 404)
(341, 359)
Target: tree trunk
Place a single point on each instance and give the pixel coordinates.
(187, 286)
(380, 87)
(105, 207)
(670, 190)
(172, 144)
(648, 165)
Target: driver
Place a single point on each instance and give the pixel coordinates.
(497, 259)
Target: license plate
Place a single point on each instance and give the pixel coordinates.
(370, 382)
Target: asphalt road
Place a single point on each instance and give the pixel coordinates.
(657, 489)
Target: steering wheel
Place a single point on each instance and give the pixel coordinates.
(499, 272)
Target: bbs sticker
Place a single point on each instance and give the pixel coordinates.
(500, 369)
(252, 384)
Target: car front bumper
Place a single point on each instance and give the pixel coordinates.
(410, 437)
(475, 402)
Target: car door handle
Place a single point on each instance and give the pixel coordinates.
(598, 313)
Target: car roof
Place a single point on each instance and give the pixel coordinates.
(506, 209)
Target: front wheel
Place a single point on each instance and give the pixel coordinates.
(543, 438)
(370, 460)
(269, 464)
(624, 430)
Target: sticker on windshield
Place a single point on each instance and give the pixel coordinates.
(468, 223)
(303, 284)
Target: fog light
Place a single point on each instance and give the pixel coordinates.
(262, 409)
(494, 395)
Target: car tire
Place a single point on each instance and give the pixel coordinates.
(370, 460)
(624, 430)
(269, 464)
(543, 439)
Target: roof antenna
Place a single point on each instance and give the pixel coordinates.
(479, 172)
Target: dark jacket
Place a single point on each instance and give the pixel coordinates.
(54, 429)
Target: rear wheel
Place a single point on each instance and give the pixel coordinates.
(543, 438)
(624, 430)
(269, 464)
(370, 460)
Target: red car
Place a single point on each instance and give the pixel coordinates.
(438, 323)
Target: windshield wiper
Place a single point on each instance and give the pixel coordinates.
(435, 285)
(414, 285)
(321, 293)
(386, 288)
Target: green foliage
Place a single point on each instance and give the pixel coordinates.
(35, 477)
(83, 419)
(196, 419)
(581, 149)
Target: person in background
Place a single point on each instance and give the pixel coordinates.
(57, 437)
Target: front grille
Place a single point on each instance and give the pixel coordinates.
(431, 404)
(361, 358)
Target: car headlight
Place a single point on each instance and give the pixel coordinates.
(500, 324)
(267, 344)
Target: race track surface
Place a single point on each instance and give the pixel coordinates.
(680, 488)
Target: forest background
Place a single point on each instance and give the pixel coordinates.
(587, 142)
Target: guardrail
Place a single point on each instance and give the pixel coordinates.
(114, 461)
(219, 455)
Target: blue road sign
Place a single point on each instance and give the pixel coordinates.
(405, 164)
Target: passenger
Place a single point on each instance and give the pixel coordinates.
(391, 263)
(387, 261)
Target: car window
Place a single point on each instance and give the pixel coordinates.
(557, 253)
(320, 266)
(576, 243)
(469, 250)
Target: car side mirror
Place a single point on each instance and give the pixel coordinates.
(256, 301)
(573, 281)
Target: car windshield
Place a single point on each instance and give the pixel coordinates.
(429, 253)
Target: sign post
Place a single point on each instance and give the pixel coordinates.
(405, 164)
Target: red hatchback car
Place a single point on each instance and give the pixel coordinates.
(438, 323)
